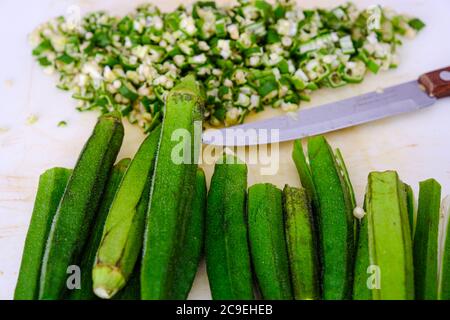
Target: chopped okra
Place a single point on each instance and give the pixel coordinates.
(249, 56)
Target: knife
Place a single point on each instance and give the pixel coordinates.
(402, 98)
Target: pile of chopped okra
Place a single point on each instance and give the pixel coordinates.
(249, 55)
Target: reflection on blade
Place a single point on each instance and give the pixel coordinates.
(329, 117)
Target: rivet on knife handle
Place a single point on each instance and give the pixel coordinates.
(437, 83)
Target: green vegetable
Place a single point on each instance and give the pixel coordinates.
(123, 232)
(411, 207)
(86, 291)
(66, 59)
(128, 91)
(362, 271)
(267, 242)
(173, 186)
(44, 46)
(444, 270)
(391, 273)
(348, 185)
(351, 76)
(226, 244)
(79, 204)
(132, 290)
(52, 184)
(426, 240)
(189, 258)
(305, 173)
(62, 124)
(335, 220)
(336, 80)
(302, 244)
(32, 119)
(263, 53)
(416, 24)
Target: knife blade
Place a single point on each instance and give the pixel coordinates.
(402, 98)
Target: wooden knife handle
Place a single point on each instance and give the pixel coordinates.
(437, 83)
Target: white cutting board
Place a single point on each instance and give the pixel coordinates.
(417, 145)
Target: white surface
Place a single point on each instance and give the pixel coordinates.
(417, 145)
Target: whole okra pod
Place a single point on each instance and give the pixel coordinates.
(384, 267)
(124, 227)
(86, 291)
(79, 204)
(426, 240)
(173, 187)
(52, 184)
(334, 212)
(267, 242)
(226, 246)
(301, 241)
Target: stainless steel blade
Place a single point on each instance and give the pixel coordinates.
(368, 107)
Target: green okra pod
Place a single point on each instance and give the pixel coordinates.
(173, 186)
(86, 291)
(302, 244)
(426, 240)
(226, 242)
(79, 204)
(335, 220)
(267, 242)
(192, 239)
(444, 267)
(123, 231)
(52, 184)
(364, 287)
(391, 272)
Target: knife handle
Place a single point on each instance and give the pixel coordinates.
(437, 83)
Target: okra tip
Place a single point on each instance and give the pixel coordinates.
(115, 115)
(123, 164)
(107, 281)
(189, 85)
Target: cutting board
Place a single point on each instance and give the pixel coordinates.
(416, 145)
